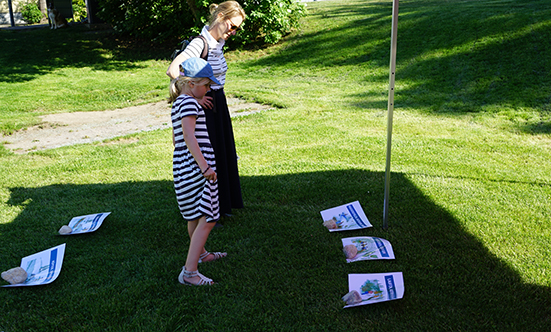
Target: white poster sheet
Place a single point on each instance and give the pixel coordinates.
(345, 217)
(42, 268)
(374, 288)
(86, 224)
(366, 248)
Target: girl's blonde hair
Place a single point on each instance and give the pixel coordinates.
(228, 9)
(178, 84)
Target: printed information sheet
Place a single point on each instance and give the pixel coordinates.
(86, 224)
(374, 288)
(345, 217)
(42, 268)
(366, 248)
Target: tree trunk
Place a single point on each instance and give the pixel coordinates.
(44, 9)
(191, 4)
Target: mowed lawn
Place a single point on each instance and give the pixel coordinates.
(469, 193)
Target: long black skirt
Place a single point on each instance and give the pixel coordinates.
(220, 131)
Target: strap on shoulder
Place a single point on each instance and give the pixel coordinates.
(205, 53)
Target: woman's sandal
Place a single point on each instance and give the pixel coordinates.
(217, 255)
(190, 274)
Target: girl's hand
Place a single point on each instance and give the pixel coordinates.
(206, 102)
(210, 174)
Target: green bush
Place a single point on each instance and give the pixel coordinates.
(152, 20)
(270, 20)
(79, 10)
(164, 20)
(31, 13)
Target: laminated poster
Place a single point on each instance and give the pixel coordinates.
(86, 224)
(374, 288)
(42, 268)
(345, 217)
(366, 248)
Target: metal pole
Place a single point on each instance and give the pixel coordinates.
(12, 21)
(393, 38)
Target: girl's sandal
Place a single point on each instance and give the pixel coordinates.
(217, 255)
(190, 274)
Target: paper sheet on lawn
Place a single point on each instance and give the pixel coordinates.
(376, 287)
(43, 267)
(369, 248)
(348, 217)
(87, 224)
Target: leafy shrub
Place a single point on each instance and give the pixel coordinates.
(79, 10)
(270, 20)
(154, 20)
(163, 20)
(31, 13)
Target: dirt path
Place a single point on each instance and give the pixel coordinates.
(86, 127)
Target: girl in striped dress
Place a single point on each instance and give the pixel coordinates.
(226, 19)
(194, 167)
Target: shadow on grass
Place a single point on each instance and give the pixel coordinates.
(453, 57)
(284, 271)
(27, 54)
(537, 128)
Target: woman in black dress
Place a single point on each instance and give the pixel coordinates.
(226, 19)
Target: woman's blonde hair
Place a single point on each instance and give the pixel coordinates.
(178, 84)
(228, 9)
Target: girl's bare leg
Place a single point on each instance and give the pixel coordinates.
(191, 226)
(199, 236)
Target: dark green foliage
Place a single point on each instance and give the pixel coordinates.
(165, 20)
(31, 13)
(155, 20)
(270, 20)
(79, 10)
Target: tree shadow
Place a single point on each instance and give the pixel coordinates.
(446, 72)
(27, 54)
(496, 55)
(474, 70)
(284, 267)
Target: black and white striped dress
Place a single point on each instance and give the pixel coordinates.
(196, 195)
(219, 123)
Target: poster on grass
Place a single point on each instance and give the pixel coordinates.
(345, 217)
(366, 248)
(84, 224)
(42, 268)
(373, 288)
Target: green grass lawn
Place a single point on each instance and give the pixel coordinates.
(470, 185)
